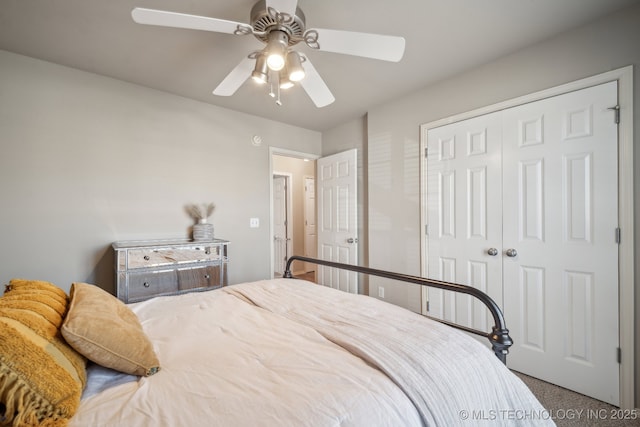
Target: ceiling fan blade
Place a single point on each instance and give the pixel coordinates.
(182, 20)
(376, 46)
(235, 78)
(315, 86)
(283, 6)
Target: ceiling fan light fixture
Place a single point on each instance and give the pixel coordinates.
(260, 73)
(276, 50)
(275, 62)
(285, 82)
(294, 67)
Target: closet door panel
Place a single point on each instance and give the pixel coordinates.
(464, 209)
(560, 216)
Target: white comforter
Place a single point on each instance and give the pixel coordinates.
(289, 353)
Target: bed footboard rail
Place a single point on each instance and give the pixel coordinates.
(499, 335)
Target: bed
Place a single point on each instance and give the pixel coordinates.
(287, 352)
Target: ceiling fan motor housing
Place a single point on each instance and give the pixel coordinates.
(264, 22)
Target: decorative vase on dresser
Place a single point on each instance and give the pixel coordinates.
(150, 268)
(202, 231)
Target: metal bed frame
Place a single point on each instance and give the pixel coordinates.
(499, 335)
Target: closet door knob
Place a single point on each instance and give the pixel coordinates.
(511, 253)
(492, 251)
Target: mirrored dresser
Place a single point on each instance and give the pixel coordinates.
(150, 268)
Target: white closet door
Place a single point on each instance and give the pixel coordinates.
(560, 215)
(464, 209)
(537, 182)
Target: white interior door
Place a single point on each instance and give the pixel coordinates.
(464, 214)
(560, 189)
(337, 218)
(310, 230)
(280, 222)
(553, 226)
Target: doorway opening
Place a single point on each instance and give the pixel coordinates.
(293, 211)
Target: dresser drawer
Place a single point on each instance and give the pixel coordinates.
(143, 285)
(148, 257)
(199, 277)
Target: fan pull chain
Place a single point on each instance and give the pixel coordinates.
(278, 102)
(274, 79)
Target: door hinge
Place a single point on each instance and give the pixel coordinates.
(616, 111)
(426, 229)
(428, 306)
(619, 354)
(618, 235)
(426, 152)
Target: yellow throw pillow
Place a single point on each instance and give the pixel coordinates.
(41, 376)
(106, 331)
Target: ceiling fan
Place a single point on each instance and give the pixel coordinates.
(280, 25)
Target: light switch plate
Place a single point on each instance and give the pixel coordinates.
(254, 222)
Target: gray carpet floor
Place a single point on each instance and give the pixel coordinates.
(570, 409)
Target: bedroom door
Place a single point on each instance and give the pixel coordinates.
(337, 218)
(545, 201)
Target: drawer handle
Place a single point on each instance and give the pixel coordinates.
(207, 276)
(146, 284)
(146, 258)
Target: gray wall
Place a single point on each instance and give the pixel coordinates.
(87, 160)
(392, 136)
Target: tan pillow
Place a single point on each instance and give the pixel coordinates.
(107, 332)
(41, 376)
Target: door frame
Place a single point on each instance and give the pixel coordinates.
(626, 260)
(275, 151)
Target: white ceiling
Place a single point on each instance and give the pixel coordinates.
(443, 37)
